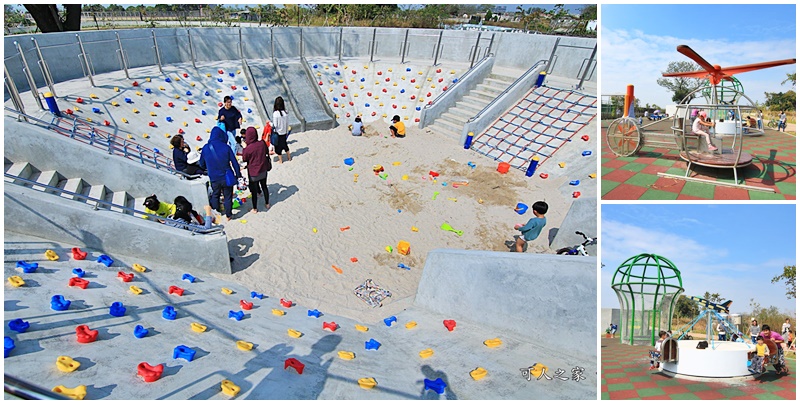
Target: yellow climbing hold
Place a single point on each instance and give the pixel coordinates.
(185, 124)
(67, 364)
(139, 93)
(294, 333)
(139, 268)
(16, 281)
(185, 109)
(191, 84)
(116, 89)
(135, 290)
(562, 164)
(426, 353)
(537, 369)
(147, 79)
(135, 111)
(414, 229)
(197, 327)
(230, 389)
(593, 175)
(125, 120)
(78, 393)
(177, 96)
(278, 312)
(51, 255)
(114, 103)
(411, 324)
(93, 96)
(493, 343)
(361, 328)
(244, 345)
(226, 291)
(146, 136)
(478, 374)
(88, 119)
(367, 382)
(346, 355)
(152, 113)
(161, 88)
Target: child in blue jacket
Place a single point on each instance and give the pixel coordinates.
(534, 226)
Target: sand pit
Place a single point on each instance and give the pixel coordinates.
(278, 252)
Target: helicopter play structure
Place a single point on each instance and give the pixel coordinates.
(648, 287)
(722, 99)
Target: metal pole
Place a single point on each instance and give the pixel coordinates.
(552, 54)
(29, 76)
(122, 56)
(45, 70)
(477, 45)
(341, 32)
(155, 46)
(301, 42)
(191, 47)
(241, 49)
(405, 47)
(438, 48)
(588, 65)
(272, 44)
(491, 42)
(372, 48)
(85, 61)
(12, 89)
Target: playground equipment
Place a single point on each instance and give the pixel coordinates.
(726, 106)
(647, 287)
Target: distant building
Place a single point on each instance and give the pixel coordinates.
(499, 10)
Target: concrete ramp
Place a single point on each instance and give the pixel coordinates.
(268, 85)
(550, 298)
(305, 95)
(582, 216)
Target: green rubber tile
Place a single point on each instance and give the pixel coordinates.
(604, 396)
(606, 367)
(698, 189)
(635, 167)
(615, 375)
(787, 188)
(697, 387)
(651, 392)
(676, 171)
(770, 387)
(668, 382)
(642, 180)
(664, 162)
(656, 194)
(640, 379)
(605, 170)
(731, 392)
(767, 396)
(684, 396)
(765, 196)
(606, 186)
(620, 386)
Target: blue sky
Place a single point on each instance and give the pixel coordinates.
(639, 41)
(733, 250)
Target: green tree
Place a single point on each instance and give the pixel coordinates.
(713, 297)
(686, 308)
(49, 19)
(790, 78)
(789, 277)
(589, 12)
(781, 101)
(680, 86)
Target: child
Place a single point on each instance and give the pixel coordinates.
(398, 128)
(155, 207)
(757, 364)
(697, 129)
(239, 147)
(534, 226)
(656, 355)
(357, 128)
(183, 216)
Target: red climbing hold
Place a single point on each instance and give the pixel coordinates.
(351, 103)
(380, 73)
(220, 71)
(449, 324)
(79, 100)
(125, 277)
(544, 175)
(190, 102)
(444, 88)
(174, 290)
(286, 303)
(330, 326)
(106, 122)
(233, 87)
(387, 79)
(185, 75)
(153, 124)
(148, 372)
(78, 254)
(180, 131)
(196, 120)
(413, 80)
(244, 304)
(219, 104)
(344, 95)
(438, 70)
(79, 282)
(369, 94)
(374, 113)
(413, 97)
(85, 335)
(335, 65)
(335, 105)
(171, 105)
(156, 104)
(320, 83)
(352, 72)
(199, 138)
(441, 79)
(136, 84)
(294, 363)
(428, 95)
(394, 106)
(433, 174)
(69, 111)
(347, 115)
(416, 120)
(384, 90)
(585, 138)
(345, 87)
(576, 194)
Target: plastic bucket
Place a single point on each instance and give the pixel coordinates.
(503, 167)
(521, 208)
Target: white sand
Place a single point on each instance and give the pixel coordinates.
(277, 253)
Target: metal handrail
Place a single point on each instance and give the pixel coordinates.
(27, 391)
(101, 203)
(442, 94)
(492, 102)
(106, 141)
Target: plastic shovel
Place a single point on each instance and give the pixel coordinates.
(446, 226)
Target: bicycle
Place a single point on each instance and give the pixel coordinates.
(579, 249)
(773, 123)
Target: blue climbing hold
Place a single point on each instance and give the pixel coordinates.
(404, 266)
(389, 320)
(128, 100)
(366, 105)
(437, 385)
(408, 69)
(254, 295)
(335, 99)
(59, 303)
(168, 80)
(188, 93)
(78, 272)
(249, 110)
(169, 313)
(236, 315)
(314, 313)
(156, 151)
(231, 97)
(315, 66)
(203, 112)
(455, 80)
(372, 345)
(139, 331)
(362, 79)
(183, 352)
(220, 80)
(8, 345)
(207, 93)
(105, 259)
(402, 90)
(574, 182)
(188, 277)
(117, 309)
(169, 119)
(244, 88)
(471, 164)
(338, 73)
(418, 108)
(96, 110)
(26, 267)
(586, 153)
(19, 325)
(231, 74)
(148, 91)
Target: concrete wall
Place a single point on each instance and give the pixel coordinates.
(75, 222)
(47, 150)
(503, 102)
(449, 99)
(61, 50)
(548, 295)
(582, 216)
(607, 317)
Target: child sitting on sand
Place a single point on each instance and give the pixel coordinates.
(534, 226)
(398, 128)
(357, 128)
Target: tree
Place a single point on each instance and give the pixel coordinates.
(780, 101)
(680, 86)
(48, 18)
(790, 78)
(589, 12)
(789, 277)
(713, 297)
(685, 307)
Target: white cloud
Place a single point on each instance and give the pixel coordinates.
(621, 241)
(634, 57)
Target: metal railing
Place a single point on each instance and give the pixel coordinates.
(105, 205)
(26, 391)
(457, 83)
(87, 133)
(509, 88)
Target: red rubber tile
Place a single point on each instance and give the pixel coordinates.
(710, 394)
(669, 185)
(729, 193)
(623, 394)
(645, 385)
(625, 192)
(619, 175)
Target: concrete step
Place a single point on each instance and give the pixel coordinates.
(497, 83)
(473, 102)
(20, 169)
(120, 198)
(98, 192)
(455, 117)
(500, 77)
(74, 185)
(138, 204)
(449, 126)
(468, 107)
(495, 90)
(477, 100)
(482, 95)
(50, 177)
(444, 130)
(8, 163)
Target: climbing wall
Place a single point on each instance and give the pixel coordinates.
(378, 91)
(541, 123)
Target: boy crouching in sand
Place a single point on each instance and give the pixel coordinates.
(534, 226)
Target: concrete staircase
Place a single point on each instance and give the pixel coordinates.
(79, 186)
(451, 123)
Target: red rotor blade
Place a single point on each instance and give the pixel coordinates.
(691, 54)
(756, 66)
(698, 74)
